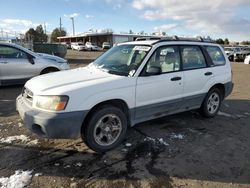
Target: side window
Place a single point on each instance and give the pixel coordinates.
(12, 53)
(192, 57)
(216, 55)
(167, 58)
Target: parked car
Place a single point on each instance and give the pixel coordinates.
(241, 55)
(247, 60)
(230, 52)
(78, 46)
(131, 83)
(92, 46)
(105, 45)
(68, 44)
(18, 64)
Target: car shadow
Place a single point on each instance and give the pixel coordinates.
(184, 146)
(8, 95)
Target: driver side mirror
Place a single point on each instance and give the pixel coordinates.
(153, 70)
(31, 59)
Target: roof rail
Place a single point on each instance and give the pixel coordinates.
(176, 38)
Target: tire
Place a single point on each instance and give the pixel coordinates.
(97, 131)
(49, 70)
(211, 104)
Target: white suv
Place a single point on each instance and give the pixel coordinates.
(131, 83)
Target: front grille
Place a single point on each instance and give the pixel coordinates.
(28, 95)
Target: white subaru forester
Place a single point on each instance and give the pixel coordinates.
(131, 83)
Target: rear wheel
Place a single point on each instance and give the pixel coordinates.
(105, 129)
(211, 103)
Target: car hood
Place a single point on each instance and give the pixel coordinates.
(51, 57)
(66, 81)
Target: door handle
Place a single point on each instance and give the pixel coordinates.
(208, 73)
(176, 78)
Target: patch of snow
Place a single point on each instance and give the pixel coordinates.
(78, 164)
(6, 100)
(156, 141)
(247, 113)
(33, 142)
(20, 124)
(128, 144)
(57, 164)
(240, 116)
(177, 136)
(224, 114)
(67, 166)
(38, 174)
(18, 180)
(22, 138)
(10, 139)
(163, 142)
(124, 150)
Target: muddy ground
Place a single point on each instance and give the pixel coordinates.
(183, 150)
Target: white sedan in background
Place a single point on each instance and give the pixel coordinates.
(247, 60)
(78, 46)
(92, 46)
(18, 64)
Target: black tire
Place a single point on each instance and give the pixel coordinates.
(206, 110)
(89, 129)
(49, 70)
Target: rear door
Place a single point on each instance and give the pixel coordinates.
(14, 64)
(196, 73)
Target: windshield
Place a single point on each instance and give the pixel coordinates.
(122, 60)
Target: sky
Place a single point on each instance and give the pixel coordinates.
(214, 18)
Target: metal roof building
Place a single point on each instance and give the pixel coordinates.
(99, 38)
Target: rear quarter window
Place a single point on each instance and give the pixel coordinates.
(216, 55)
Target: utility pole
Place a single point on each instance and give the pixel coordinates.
(45, 28)
(2, 32)
(73, 25)
(60, 24)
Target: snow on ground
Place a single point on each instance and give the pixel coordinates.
(18, 180)
(156, 140)
(24, 139)
(224, 114)
(177, 136)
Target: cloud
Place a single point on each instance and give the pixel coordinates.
(165, 27)
(17, 22)
(206, 17)
(73, 15)
(117, 6)
(89, 16)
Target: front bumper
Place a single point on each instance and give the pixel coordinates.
(51, 125)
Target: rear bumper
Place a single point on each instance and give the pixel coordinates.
(51, 125)
(228, 88)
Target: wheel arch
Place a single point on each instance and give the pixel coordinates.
(221, 87)
(49, 68)
(119, 103)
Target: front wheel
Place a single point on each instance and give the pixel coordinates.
(105, 129)
(211, 103)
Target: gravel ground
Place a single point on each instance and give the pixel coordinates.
(183, 150)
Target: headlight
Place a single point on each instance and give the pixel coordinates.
(52, 103)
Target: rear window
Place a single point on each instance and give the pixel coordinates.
(216, 55)
(192, 57)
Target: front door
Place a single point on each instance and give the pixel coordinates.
(158, 95)
(14, 64)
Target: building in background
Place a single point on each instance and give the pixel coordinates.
(99, 37)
